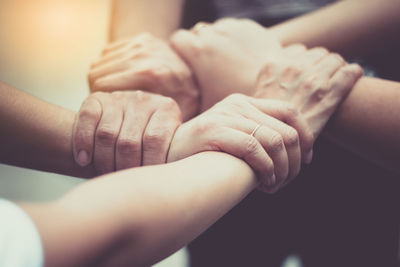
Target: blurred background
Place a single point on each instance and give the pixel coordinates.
(46, 47)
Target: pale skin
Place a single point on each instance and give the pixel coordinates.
(345, 32)
(85, 226)
(380, 94)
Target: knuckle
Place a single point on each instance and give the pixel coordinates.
(251, 146)
(89, 114)
(99, 85)
(203, 125)
(128, 146)
(154, 139)
(291, 137)
(276, 143)
(106, 136)
(235, 98)
(320, 49)
(291, 112)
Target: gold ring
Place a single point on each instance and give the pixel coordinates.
(255, 130)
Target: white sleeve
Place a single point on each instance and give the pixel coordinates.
(20, 243)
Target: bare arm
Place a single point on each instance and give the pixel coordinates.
(349, 27)
(36, 134)
(158, 17)
(146, 213)
(368, 121)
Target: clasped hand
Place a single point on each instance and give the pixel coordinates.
(294, 92)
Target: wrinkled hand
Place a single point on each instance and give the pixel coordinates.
(124, 129)
(314, 81)
(226, 56)
(146, 63)
(232, 126)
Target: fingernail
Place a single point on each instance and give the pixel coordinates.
(309, 157)
(83, 158)
(272, 180)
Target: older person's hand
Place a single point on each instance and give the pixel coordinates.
(226, 56)
(314, 81)
(124, 129)
(146, 63)
(246, 128)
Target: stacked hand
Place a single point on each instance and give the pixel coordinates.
(146, 63)
(225, 56)
(296, 92)
(124, 129)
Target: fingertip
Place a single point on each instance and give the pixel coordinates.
(309, 156)
(82, 158)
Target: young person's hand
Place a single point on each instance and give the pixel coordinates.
(146, 63)
(247, 128)
(126, 129)
(314, 81)
(225, 56)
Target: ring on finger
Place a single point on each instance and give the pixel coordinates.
(255, 130)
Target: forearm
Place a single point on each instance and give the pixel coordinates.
(36, 134)
(344, 27)
(147, 213)
(158, 17)
(368, 121)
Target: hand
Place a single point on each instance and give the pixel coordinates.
(247, 128)
(124, 129)
(226, 56)
(314, 81)
(146, 63)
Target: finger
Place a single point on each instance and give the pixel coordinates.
(127, 80)
(129, 144)
(294, 50)
(158, 136)
(328, 65)
(114, 67)
(84, 131)
(290, 139)
(286, 113)
(112, 56)
(246, 147)
(187, 45)
(274, 145)
(270, 140)
(116, 46)
(313, 55)
(344, 79)
(106, 137)
(199, 26)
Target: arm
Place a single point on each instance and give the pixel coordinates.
(158, 17)
(147, 213)
(36, 134)
(368, 121)
(345, 27)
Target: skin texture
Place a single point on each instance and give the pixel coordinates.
(269, 146)
(225, 48)
(297, 75)
(122, 130)
(148, 63)
(367, 93)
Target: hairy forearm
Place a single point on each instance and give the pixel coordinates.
(146, 213)
(345, 27)
(158, 17)
(368, 121)
(35, 134)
